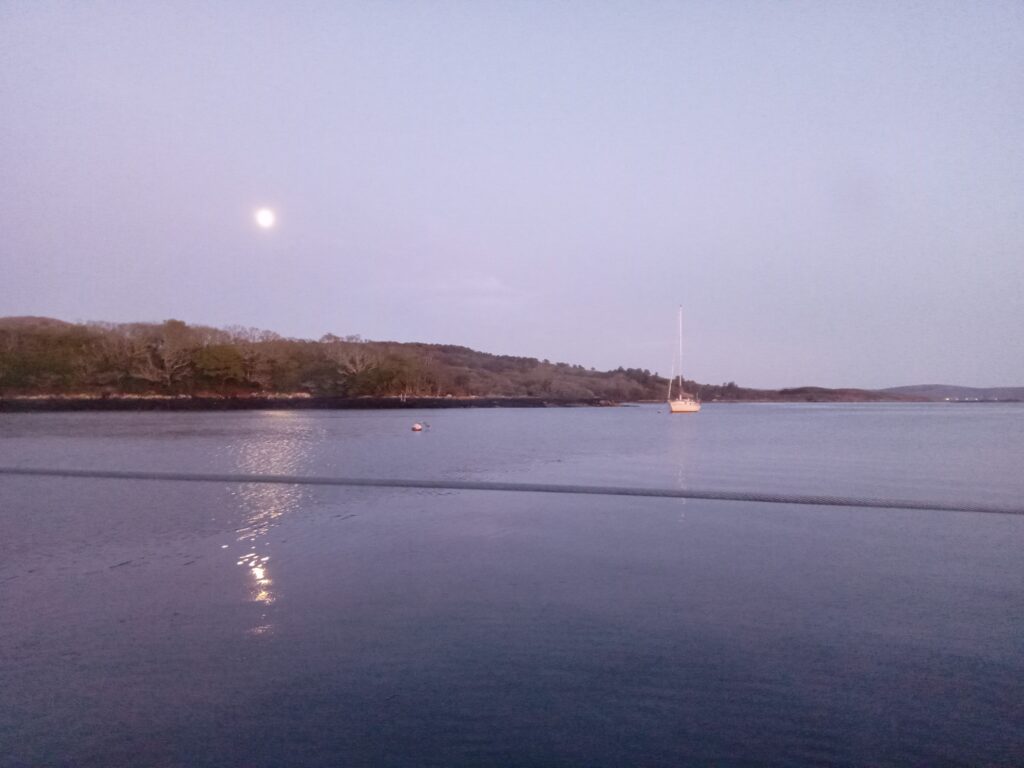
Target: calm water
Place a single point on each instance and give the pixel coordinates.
(173, 624)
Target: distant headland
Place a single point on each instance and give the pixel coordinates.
(49, 364)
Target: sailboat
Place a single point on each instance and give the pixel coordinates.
(683, 402)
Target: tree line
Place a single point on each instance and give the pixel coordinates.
(40, 356)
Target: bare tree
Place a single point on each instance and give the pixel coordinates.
(167, 355)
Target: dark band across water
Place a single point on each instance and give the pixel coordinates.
(483, 485)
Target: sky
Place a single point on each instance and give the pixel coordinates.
(833, 192)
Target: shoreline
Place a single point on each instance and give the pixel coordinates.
(37, 404)
(301, 401)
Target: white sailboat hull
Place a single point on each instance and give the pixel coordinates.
(684, 406)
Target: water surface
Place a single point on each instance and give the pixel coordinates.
(180, 624)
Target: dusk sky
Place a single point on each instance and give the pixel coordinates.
(834, 192)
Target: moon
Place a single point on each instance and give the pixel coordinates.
(265, 218)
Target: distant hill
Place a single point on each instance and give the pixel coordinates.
(822, 394)
(30, 321)
(43, 356)
(953, 392)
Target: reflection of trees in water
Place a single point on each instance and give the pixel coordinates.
(282, 447)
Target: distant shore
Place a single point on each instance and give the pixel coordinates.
(35, 404)
(303, 401)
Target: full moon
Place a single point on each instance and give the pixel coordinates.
(265, 218)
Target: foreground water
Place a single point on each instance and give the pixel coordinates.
(169, 624)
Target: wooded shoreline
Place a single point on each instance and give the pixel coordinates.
(301, 401)
(51, 365)
(257, 403)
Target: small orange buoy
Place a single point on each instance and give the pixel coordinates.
(417, 427)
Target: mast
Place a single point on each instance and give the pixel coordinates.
(680, 351)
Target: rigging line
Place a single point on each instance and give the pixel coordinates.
(484, 485)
